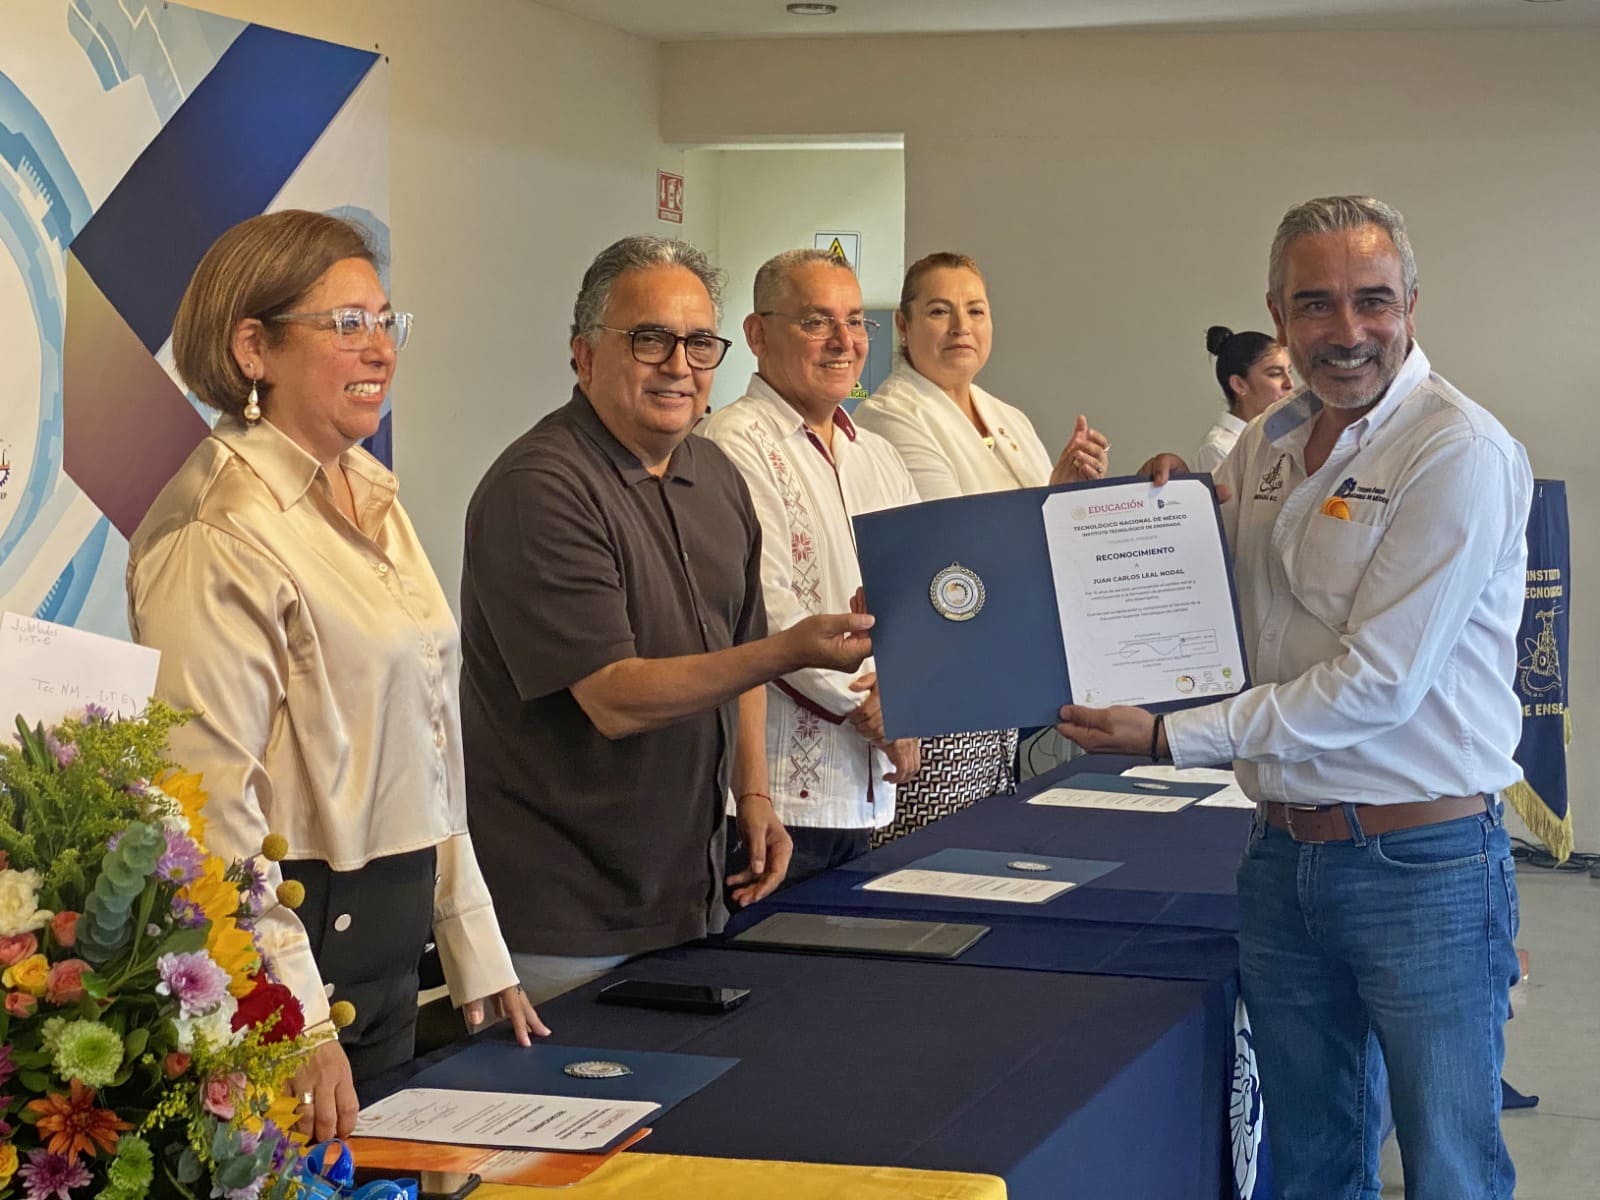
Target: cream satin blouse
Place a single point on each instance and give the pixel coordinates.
(321, 659)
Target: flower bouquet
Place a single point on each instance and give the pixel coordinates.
(145, 1046)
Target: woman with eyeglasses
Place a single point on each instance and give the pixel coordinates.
(297, 615)
(959, 440)
(1253, 372)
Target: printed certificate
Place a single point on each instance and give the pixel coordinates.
(1144, 594)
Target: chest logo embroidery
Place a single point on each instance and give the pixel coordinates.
(1272, 482)
(1351, 490)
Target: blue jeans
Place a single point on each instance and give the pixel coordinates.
(1404, 940)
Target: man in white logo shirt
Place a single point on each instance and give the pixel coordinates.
(809, 470)
(1377, 521)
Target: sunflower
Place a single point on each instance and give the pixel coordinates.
(72, 1125)
(217, 897)
(284, 1112)
(184, 787)
(234, 950)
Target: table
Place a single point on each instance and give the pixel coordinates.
(1083, 1048)
(1170, 911)
(1047, 1080)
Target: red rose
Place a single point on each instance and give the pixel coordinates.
(175, 1064)
(264, 999)
(64, 928)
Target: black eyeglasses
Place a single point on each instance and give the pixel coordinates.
(655, 346)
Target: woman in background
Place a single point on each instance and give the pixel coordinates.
(959, 440)
(297, 615)
(1253, 371)
(956, 438)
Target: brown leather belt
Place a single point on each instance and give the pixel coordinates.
(1307, 823)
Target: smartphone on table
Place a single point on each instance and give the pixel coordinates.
(674, 997)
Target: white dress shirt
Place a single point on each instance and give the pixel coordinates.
(1219, 440)
(824, 774)
(321, 659)
(1382, 642)
(942, 449)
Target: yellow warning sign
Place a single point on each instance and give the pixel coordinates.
(844, 248)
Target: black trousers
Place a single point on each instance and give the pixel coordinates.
(368, 929)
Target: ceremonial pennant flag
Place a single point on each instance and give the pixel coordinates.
(1541, 799)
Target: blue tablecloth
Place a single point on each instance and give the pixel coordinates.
(1064, 1085)
(1170, 911)
(1065, 1077)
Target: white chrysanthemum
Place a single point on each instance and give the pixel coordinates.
(214, 1029)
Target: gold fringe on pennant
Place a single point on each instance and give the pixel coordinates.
(1536, 814)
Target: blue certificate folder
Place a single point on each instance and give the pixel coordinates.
(498, 1066)
(1004, 668)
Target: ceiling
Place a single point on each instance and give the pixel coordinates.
(696, 20)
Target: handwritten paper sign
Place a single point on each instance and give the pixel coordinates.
(50, 671)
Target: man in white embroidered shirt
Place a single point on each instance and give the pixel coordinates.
(1377, 520)
(809, 470)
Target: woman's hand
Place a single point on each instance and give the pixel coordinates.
(512, 1004)
(1086, 457)
(328, 1104)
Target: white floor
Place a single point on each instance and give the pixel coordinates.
(1553, 1044)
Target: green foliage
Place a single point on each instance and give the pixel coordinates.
(109, 921)
(57, 818)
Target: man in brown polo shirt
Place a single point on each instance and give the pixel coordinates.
(614, 643)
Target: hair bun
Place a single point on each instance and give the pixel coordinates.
(1217, 337)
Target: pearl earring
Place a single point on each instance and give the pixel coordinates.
(252, 405)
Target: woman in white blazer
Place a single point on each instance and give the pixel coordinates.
(958, 440)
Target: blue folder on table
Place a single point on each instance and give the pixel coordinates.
(1004, 668)
(540, 1070)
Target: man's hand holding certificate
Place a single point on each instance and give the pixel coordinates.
(994, 609)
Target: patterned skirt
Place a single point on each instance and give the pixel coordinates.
(958, 770)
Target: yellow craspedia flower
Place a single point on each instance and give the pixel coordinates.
(275, 847)
(341, 1014)
(291, 893)
(31, 975)
(8, 1163)
(184, 787)
(232, 949)
(215, 896)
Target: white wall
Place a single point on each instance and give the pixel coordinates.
(702, 203)
(768, 201)
(523, 141)
(1121, 190)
